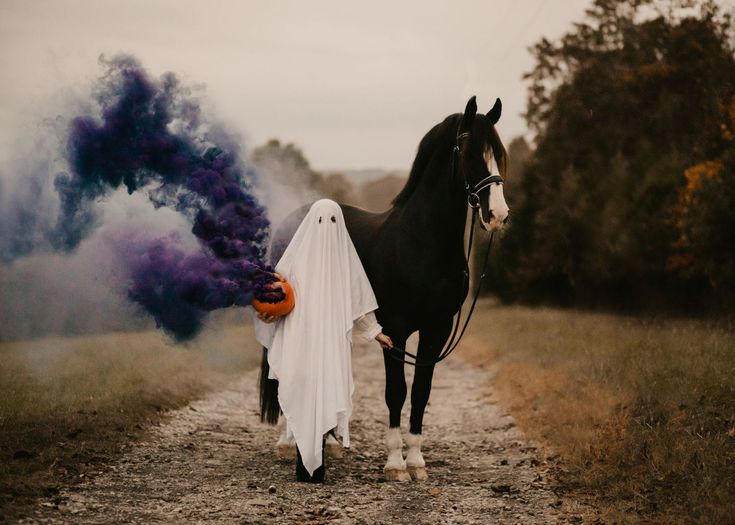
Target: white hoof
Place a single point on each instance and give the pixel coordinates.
(285, 447)
(418, 473)
(416, 465)
(394, 474)
(395, 467)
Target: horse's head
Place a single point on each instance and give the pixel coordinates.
(483, 164)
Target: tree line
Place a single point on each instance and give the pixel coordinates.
(625, 197)
(287, 164)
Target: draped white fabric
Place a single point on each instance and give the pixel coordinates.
(309, 350)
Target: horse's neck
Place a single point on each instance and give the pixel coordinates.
(436, 208)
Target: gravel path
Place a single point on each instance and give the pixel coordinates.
(213, 461)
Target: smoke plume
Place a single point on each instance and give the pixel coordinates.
(149, 136)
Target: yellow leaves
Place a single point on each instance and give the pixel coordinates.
(682, 260)
(694, 177)
(696, 174)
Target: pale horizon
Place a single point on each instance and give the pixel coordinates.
(355, 87)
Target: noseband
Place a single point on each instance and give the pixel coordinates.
(473, 199)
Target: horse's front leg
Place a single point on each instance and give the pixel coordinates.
(395, 396)
(431, 341)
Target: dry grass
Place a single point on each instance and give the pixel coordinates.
(641, 411)
(69, 404)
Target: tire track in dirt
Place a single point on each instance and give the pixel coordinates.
(213, 461)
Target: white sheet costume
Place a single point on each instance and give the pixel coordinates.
(309, 350)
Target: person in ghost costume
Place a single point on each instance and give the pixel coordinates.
(309, 350)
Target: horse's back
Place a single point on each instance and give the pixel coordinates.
(363, 227)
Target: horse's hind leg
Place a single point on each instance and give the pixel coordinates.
(332, 447)
(285, 447)
(395, 396)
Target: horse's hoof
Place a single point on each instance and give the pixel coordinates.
(394, 474)
(286, 451)
(333, 450)
(418, 473)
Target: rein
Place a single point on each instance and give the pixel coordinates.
(473, 200)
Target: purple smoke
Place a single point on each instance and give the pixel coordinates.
(149, 137)
(178, 289)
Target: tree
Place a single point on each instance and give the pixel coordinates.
(621, 106)
(705, 221)
(335, 186)
(286, 164)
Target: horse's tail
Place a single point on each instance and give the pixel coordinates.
(269, 407)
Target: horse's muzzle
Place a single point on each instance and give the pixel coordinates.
(494, 223)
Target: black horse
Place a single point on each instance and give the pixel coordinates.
(414, 257)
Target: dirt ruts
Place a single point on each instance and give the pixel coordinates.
(213, 461)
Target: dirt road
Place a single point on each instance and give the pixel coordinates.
(213, 461)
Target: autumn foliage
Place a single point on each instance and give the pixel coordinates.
(627, 197)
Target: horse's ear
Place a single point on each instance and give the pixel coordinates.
(469, 114)
(494, 113)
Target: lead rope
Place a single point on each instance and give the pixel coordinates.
(405, 356)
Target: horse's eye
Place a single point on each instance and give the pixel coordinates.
(333, 219)
(320, 220)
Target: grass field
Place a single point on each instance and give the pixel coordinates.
(69, 404)
(642, 412)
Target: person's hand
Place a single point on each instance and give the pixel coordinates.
(385, 341)
(267, 318)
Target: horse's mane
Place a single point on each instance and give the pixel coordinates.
(440, 135)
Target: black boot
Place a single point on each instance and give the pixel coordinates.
(303, 475)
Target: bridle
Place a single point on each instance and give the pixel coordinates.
(473, 201)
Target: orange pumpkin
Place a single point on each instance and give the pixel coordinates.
(282, 307)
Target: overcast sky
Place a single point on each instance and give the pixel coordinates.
(354, 84)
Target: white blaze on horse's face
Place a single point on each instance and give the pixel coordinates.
(496, 200)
